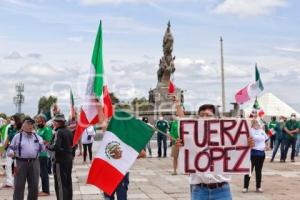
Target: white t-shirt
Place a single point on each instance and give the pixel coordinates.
(208, 178)
(88, 135)
(260, 138)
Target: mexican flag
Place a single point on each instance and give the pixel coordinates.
(171, 88)
(72, 104)
(258, 109)
(251, 90)
(124, 139)
(96, 92)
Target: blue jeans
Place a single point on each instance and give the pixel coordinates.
(298, 145)
(121, 190)
(278, 142)
(203, 193)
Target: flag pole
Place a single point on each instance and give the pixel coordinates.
(170, 137)
(222, 77)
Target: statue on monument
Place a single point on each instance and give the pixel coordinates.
(160, 96)
(166, 63)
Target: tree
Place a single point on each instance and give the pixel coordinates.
(114, 99)
(3, 115)
(45, 104)
(141, 104)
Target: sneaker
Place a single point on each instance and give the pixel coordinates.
(259, 190)
(245, 190)
(43, 194)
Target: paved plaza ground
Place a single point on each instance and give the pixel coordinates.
(151, 178)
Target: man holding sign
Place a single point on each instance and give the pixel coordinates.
(212, 149)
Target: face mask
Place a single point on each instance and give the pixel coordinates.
(161, 118)
(12, 123)
(281, 120)
(293, 118)
(40, 125)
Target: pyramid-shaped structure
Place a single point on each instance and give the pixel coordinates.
(272, 106)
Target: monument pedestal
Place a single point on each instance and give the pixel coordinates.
(163, 100)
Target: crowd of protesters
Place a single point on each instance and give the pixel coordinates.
(34, 148)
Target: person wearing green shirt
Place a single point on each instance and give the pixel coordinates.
(291, 129)
(273, 123)
(175, 148)
(280, 138)
(44, 132)
(163, 126)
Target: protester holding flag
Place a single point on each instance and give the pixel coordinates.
(122, 144)
(257, 154)
(291, 129)
(273, 123)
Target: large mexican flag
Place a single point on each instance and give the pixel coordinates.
(96, 92)
(124, 139)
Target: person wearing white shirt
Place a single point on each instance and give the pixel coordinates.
(257, 154)
(87, 140)
(207, 186)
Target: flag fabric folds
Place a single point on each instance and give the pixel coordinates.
(94, 92)
(124, 139)
(251, 90)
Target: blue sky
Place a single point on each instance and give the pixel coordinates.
(47, 45)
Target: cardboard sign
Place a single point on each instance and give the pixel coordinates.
(217, 146)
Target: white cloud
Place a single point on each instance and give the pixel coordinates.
(75, 39)
(288, 49)
(14, 55)
(249, 7)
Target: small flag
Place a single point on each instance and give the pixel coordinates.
(171, 88)
(258, 109)
(251, 90)
(72, 108)
(124, 139)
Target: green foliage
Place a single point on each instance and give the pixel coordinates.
(141, 104)
(3, 115)
(114, 99)
(45, 104)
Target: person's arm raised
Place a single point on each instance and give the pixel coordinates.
(179, 110)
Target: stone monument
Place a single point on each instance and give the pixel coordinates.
(160, 96)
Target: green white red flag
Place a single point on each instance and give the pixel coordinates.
(251, 90)
(72, 104)
(94, 92)
(124, 139)
(258, 109)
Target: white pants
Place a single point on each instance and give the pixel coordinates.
(9, 175)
